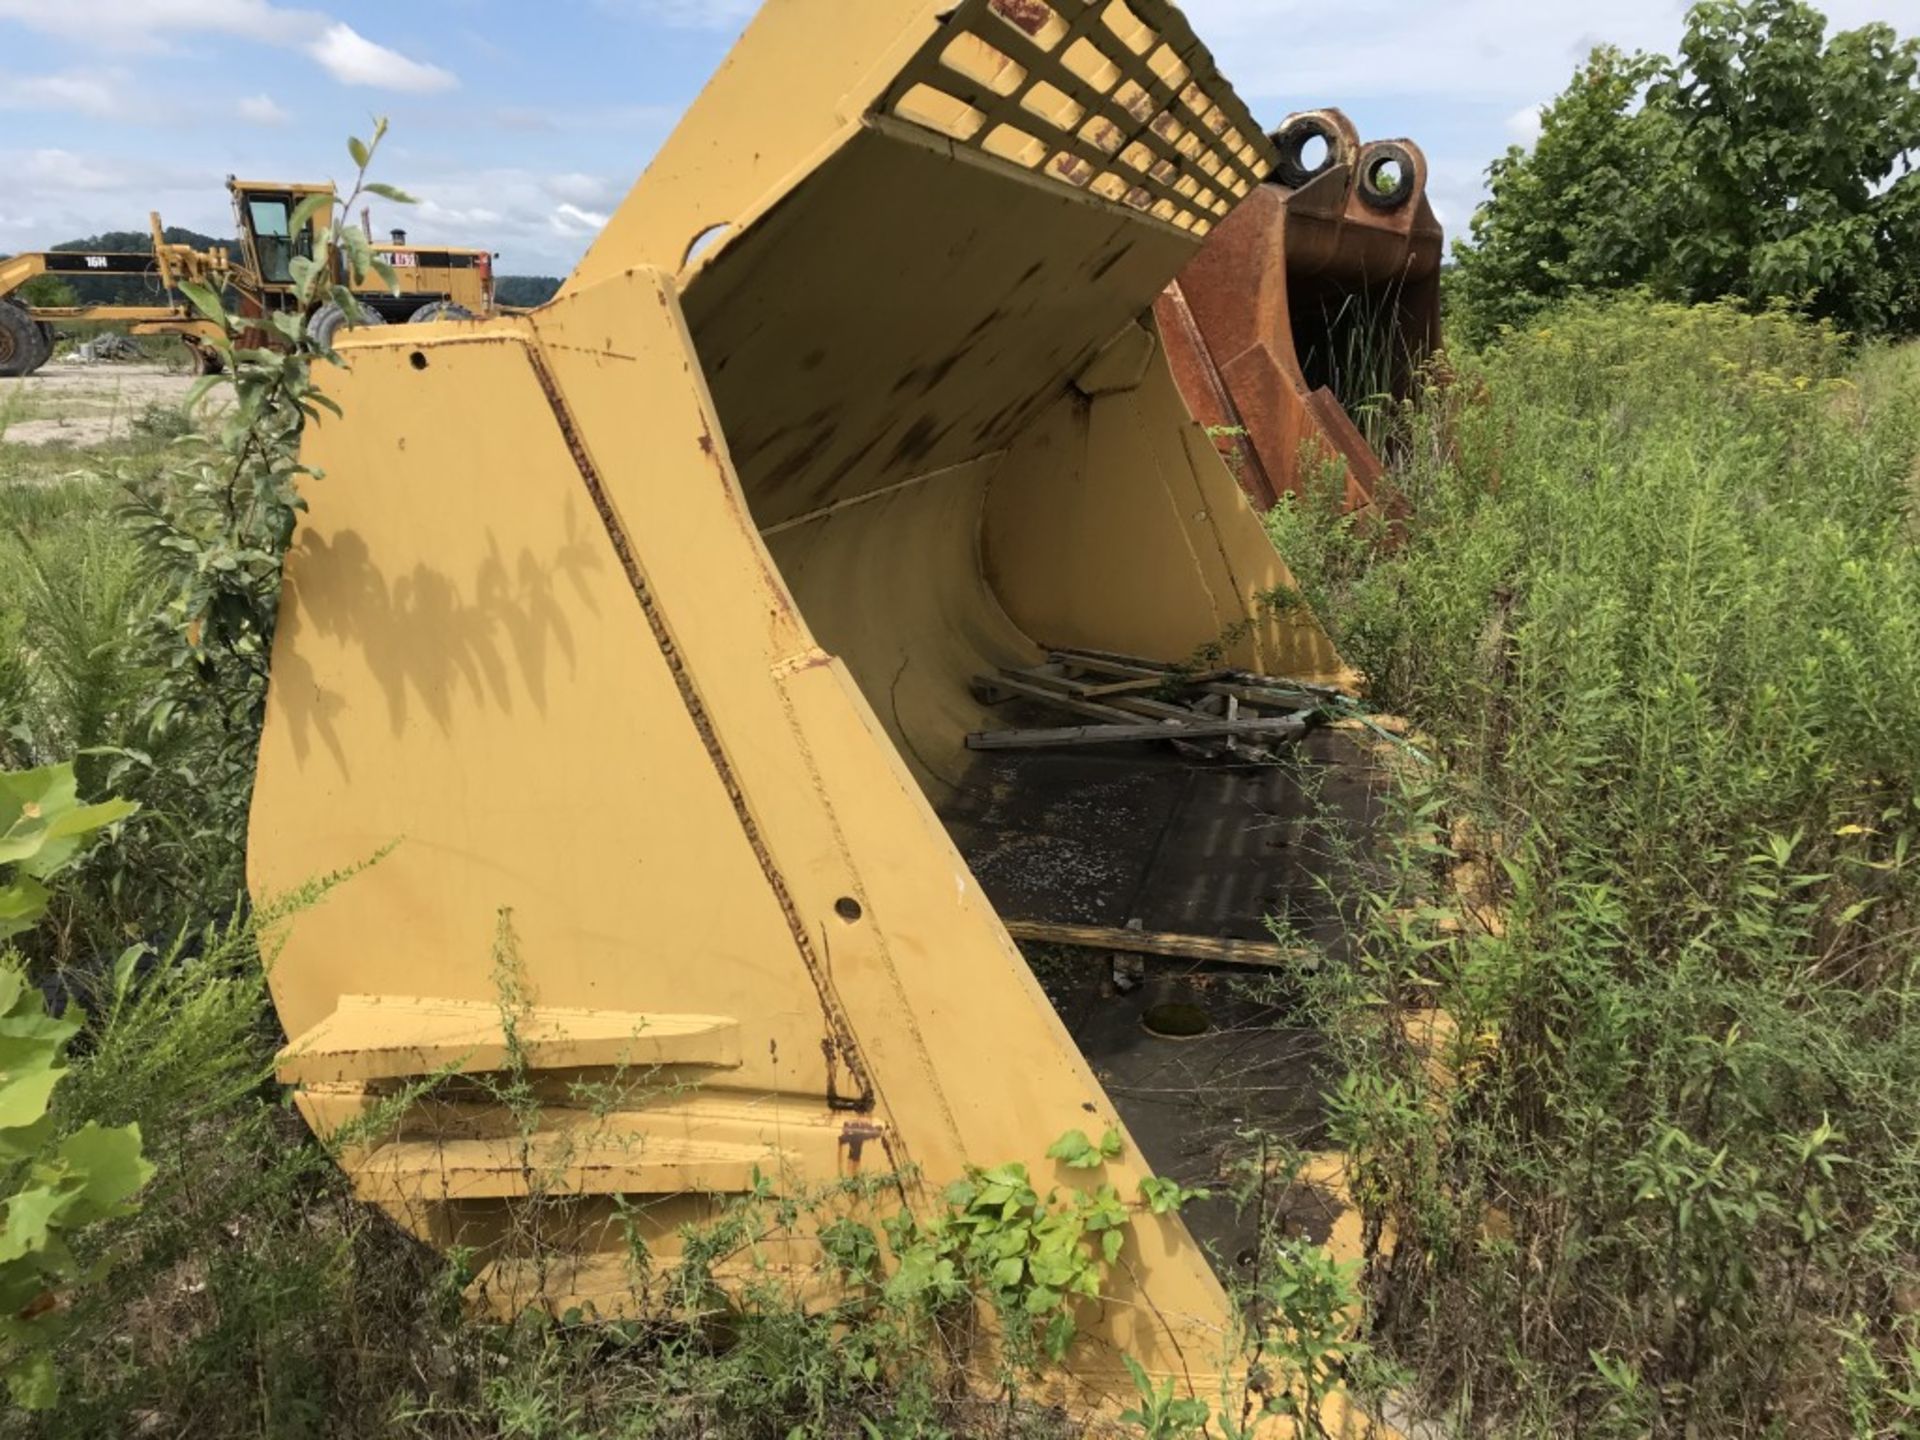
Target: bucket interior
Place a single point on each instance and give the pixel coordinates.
(944, 501)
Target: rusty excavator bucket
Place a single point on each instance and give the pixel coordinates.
(1316, 297)
(647, 630)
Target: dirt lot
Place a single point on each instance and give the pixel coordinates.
(71, 402)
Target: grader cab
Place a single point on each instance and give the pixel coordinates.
(430, 282)
(649, 631)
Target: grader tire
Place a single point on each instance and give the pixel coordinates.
(328, 320)
(439, 310)
(24, 347)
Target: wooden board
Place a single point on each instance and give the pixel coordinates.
(1252, 954)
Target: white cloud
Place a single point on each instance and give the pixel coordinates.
(337, 47)
(580, 189)
(1504, 53)
(140, 24)
(52, 170)
(574, 223)
(97, 93)
(1455, 188)
(511, 210)
(448, 218)
(55, 194)
(352, 59)
(1524, 124)
(261, 110)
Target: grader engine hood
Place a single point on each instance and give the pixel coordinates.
(646, 628)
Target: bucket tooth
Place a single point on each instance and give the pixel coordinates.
(647, 625)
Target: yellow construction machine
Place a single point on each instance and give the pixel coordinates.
(680, 639)
(433, 282)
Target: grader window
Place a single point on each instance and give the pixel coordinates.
(268, 215)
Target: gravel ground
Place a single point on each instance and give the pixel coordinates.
(69, 402)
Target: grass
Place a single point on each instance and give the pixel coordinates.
(17, 406)
(80, 655)
(1656, 607)
(1658, 602)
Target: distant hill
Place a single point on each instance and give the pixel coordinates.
(126, 240)
(522, 290)
(525, 289)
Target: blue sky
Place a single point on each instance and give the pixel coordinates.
(521, 125)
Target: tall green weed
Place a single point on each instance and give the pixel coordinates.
(1658, 601)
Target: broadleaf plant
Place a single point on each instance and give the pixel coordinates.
(43, 827)
(52, 1186)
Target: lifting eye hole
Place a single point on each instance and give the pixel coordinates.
(1308, 147)
(1387, 176)
(418, 359)
(848, 909)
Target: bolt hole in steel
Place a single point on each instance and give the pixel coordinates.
(1386, 176)
(418, 359)
(1175, 1020)
(847, 908)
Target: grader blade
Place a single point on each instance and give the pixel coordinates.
(1317, 297)
(645, 629)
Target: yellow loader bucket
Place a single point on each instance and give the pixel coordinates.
(654, 621)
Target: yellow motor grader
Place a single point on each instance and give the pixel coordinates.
(433, 282)
(672, 642)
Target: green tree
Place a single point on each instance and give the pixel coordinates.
(47, 291)
(1769, 161)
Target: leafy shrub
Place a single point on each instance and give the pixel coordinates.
(1636, 1150)
(55, 1188)
(49, 291)
(55, 1183)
